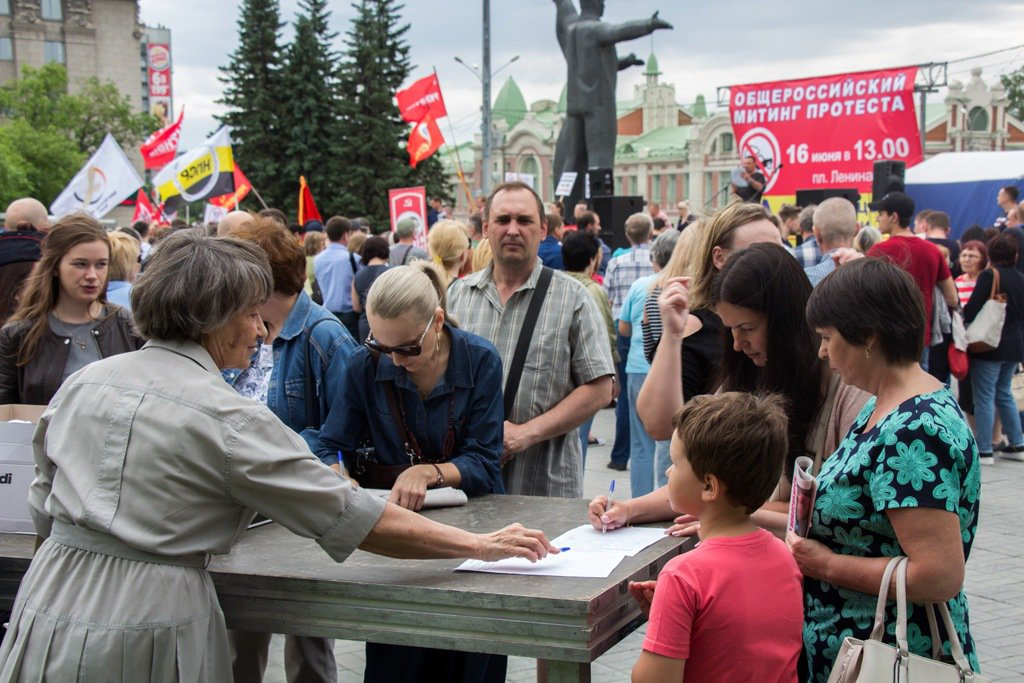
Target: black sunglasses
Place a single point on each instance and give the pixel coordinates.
(404, 350)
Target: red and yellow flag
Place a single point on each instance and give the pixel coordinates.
(424, 139)
(307, 207)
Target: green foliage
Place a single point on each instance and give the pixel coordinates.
(46, 133)
(374, 136)
(255, 97)
(311, 122)
(1014, 84)
(304, 110)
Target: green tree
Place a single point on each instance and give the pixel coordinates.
(311, 120)
(255, 98)
(46, 134)
(373, 135)
(1013, 82)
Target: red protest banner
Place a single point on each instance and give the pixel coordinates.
(159, 149)
(410, 202)
(231, 200)
(826, 132)
(424, 139)
(144, 209)
(421, 98)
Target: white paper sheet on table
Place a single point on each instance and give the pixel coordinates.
(628, 540)
(568, 563)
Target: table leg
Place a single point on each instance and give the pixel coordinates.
(552, 671)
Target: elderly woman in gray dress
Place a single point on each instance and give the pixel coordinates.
(148, 463)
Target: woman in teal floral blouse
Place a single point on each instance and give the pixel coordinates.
(904, 481)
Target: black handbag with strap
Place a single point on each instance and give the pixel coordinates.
(515, 371)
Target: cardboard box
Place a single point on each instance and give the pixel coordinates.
(17, 466)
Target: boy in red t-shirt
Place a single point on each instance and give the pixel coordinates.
(731, 609)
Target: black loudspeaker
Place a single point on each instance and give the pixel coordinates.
(613, 212)
(808, 197)
(602, 182)
(888, 177)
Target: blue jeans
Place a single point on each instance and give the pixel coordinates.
(585, 438)
(990, 383)
(620, 447)
(662, 460)
(641, 470)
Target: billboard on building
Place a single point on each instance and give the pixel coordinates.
(826, 132)
(158, 82)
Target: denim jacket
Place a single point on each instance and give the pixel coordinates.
(332, 347)
(472, 386)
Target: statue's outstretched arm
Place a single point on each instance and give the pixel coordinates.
(565, 15)
(629, 60)
(609, 34)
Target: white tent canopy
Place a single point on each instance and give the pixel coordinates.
(963, 167)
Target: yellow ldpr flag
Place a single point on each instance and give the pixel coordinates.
(198, 174)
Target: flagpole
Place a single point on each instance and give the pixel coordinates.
(257, 193)
(458, 160)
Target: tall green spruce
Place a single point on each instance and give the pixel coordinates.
(311, 117)
(253, 94)
(373, 135)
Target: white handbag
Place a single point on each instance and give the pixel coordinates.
(872, 660)
(985, 331)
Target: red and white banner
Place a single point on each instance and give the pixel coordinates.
(424, 139)
(421, 98)
(826, 132)
(410, 202)
(158, 81)
(144, 209)
(159, 149)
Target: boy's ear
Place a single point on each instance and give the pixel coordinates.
(713, 489)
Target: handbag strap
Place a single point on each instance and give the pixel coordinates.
(515, 372)
(883, 597)
(314, 412)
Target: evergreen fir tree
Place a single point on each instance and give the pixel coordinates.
(252, 94)
(373, 134)
(311, 119)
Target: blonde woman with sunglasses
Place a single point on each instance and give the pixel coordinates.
(420, 408)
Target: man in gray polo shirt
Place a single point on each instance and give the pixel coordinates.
(567, 375)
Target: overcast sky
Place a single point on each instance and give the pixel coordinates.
(713, 44)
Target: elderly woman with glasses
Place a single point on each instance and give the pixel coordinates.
(148, 462)
(420, 408)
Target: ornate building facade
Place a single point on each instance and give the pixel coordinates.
(668, 153)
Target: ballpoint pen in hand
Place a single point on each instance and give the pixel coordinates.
(608, 505)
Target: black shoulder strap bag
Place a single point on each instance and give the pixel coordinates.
(515, 372)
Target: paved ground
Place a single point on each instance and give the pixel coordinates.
(995, 581)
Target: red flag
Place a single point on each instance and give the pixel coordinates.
(144, 209)
(420, 99)
(307, 207)
(159, 149)
(231, 200)
(424, 139)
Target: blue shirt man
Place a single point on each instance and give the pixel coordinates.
(335, 268)
(550, 252)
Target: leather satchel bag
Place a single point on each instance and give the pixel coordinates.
(985, 331)
(874, 661)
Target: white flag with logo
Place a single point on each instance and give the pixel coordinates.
(106, 180)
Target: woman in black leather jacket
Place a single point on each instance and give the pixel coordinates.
(63, 321)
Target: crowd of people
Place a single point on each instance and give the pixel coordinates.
(299, 365)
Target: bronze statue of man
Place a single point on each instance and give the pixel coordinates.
(588, 134)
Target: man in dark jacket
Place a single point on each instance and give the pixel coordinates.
(25, 224)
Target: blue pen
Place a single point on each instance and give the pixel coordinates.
(608, 506)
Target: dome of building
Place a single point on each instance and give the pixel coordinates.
(510, 104)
